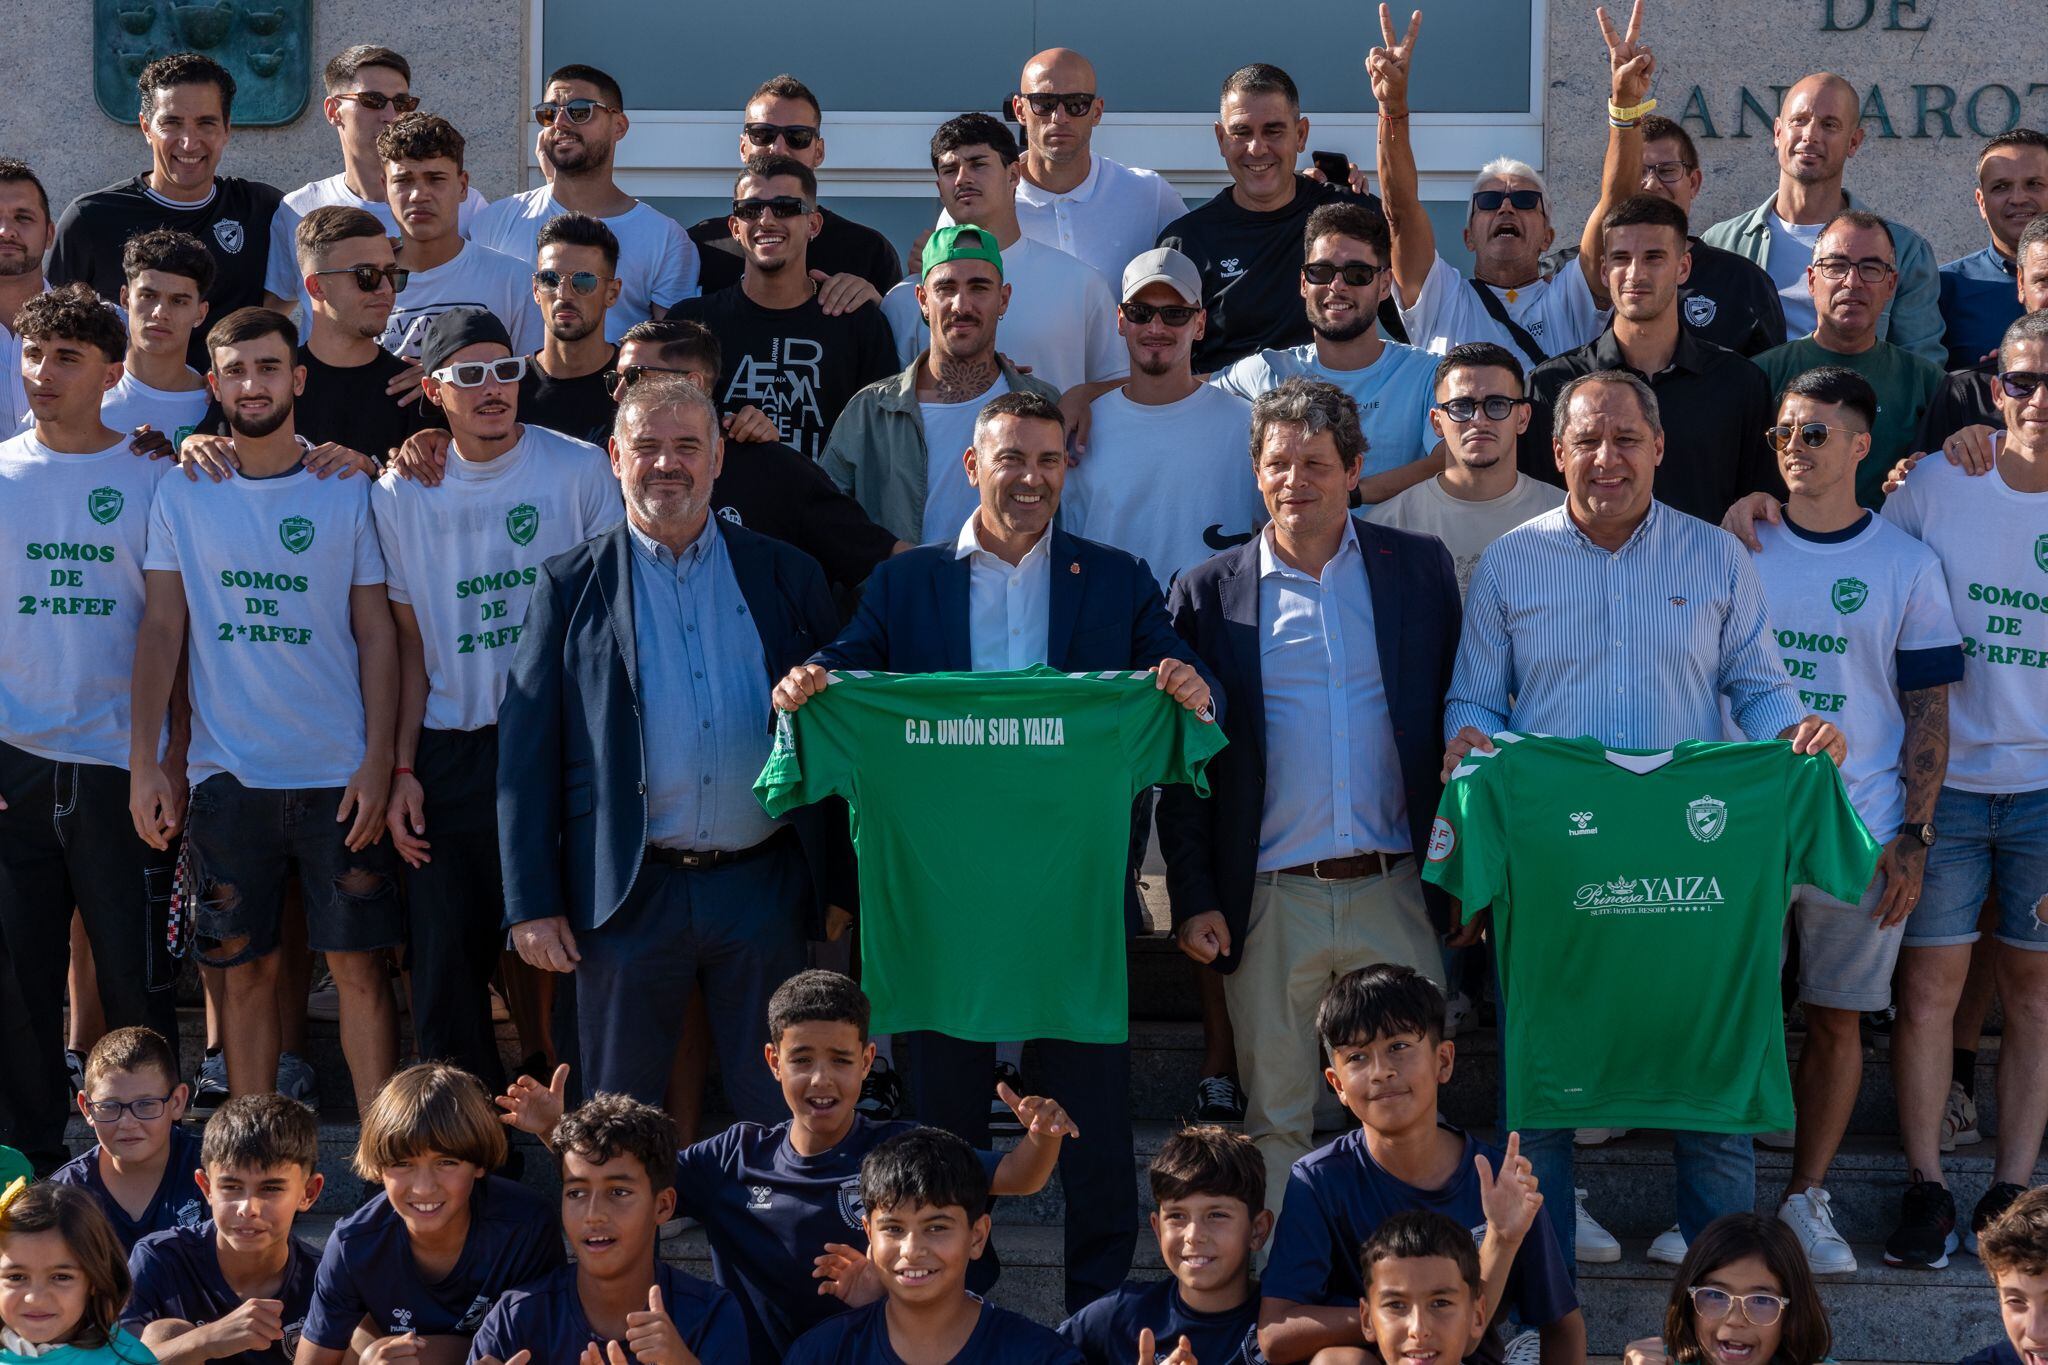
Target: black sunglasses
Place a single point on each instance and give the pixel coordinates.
(1497, 407)
(781, 205)
(1486, 201)
(796, 136)
(577, 111)
(2022, 383)
(582, 281)
(1357, 274)
(617, 382)
(375, 100)
(1077, 103)
(1172, 314)
(369, 278)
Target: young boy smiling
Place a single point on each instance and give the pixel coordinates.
(1423, 1302)
(778, 1204)
(1210, 1186)
(617, 1162)
(141, 1170)
(926, 1198)
(235, 1289)
(2014, 1249)
(1382, 1030)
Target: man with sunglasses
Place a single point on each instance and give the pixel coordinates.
(460, 558)
(1818, 128)
(576, 282)
(1061, 316)
(1862, 618)
(583, 115)
(369, 88)
(783, 118)
(1853, 279)
(1726, 299)
(782, 350)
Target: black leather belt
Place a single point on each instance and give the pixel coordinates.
(1345, 869)
(697, 860)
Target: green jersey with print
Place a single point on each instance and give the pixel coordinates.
(992, 815)
(1639, 904)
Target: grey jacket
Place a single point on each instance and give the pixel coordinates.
(877, 453)
(1911, 321)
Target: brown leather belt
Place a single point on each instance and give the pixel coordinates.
(697, 861)
(1345, 869)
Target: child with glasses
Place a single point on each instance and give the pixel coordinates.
(1743, 1296)
(140, 1172)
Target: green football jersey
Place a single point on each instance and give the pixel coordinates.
(992, 815)
(1639, 905)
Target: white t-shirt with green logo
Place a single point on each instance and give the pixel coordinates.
(132, 403)
(464, 557)
(1993, 544)
(268, 564)
(1841, 612)
(72, 532)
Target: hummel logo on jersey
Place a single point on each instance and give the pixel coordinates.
(1706, 818)
(401, 1320)
(1582, 823)
(760, 1197)
(1231, 268)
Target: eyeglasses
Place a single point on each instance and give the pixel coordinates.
(1486, 201)
(472, 374)
(1077, 103)
(376, 100)
(781, 205)
(1357, 274)
(795, 136)
(1172, 314)
(582, 281)
(1760, 1310)
(371, 278)
(110, 1111)
(617, 382)
(1497, 407)
(1812, 435)
(2022, 383)
(1870, 270)
(1666, 172)
(577, 110)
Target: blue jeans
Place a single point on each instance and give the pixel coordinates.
(1715, 1174)
(1981, 832)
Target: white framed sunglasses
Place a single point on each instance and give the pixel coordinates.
(472, 373)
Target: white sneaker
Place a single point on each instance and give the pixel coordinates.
(1779, 1140)
(1594, 1244)
(1593, 1137)
(1959, 1120)
(1827, 1251)
(1669, 1248)
(295, 1080)
(1459, 1014)
(1526, 1349)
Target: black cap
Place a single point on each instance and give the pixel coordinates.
(457, 328)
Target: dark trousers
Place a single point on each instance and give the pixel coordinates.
(66, 840)
(457, 903)
(737, 928)
(952, 1082)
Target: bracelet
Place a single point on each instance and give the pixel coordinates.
(401, 772)
(1631, 114)
(1620, 123)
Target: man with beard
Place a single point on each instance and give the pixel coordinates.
(1726, 299)
(584, 116)
(25, 234)
(279, 575)
(783, 352)
(514, 494)
(1715, 403)
(636, 860)
(574, 283)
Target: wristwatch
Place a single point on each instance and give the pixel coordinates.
(1924, 833)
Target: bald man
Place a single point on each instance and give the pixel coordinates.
(1818, 128)
(1069, 198)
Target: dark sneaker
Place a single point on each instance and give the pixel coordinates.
(1219, 1099)
(1926, 1233)
(210, 1091)
(881, 1094)
(1000, 1118)
(1996, 1200)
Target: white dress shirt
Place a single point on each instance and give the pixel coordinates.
(1006, 603)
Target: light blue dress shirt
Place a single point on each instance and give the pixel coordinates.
(1333, 779)
(1635, 647)
(704, 696)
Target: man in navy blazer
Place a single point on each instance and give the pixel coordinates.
(635, 720)
(1009, 591)
(1333, 641)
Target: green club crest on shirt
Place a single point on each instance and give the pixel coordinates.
(296, 533)
(2041, 553)
(1849, 594)
(1706, 818)
(104, 504)
(522, 522)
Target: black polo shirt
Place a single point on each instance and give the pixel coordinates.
(1731, 302)
(1963, 400)
(1714, 405)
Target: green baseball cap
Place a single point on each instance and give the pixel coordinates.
(961, 242)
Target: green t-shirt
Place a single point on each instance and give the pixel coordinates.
(13, 1165)
(992, 815)
(1905, 385)
(1639, 907)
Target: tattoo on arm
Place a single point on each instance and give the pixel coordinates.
(1923, 758)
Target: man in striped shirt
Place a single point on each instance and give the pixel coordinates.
(1617, 617)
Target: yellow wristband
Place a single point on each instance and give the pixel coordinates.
(1621, 115)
